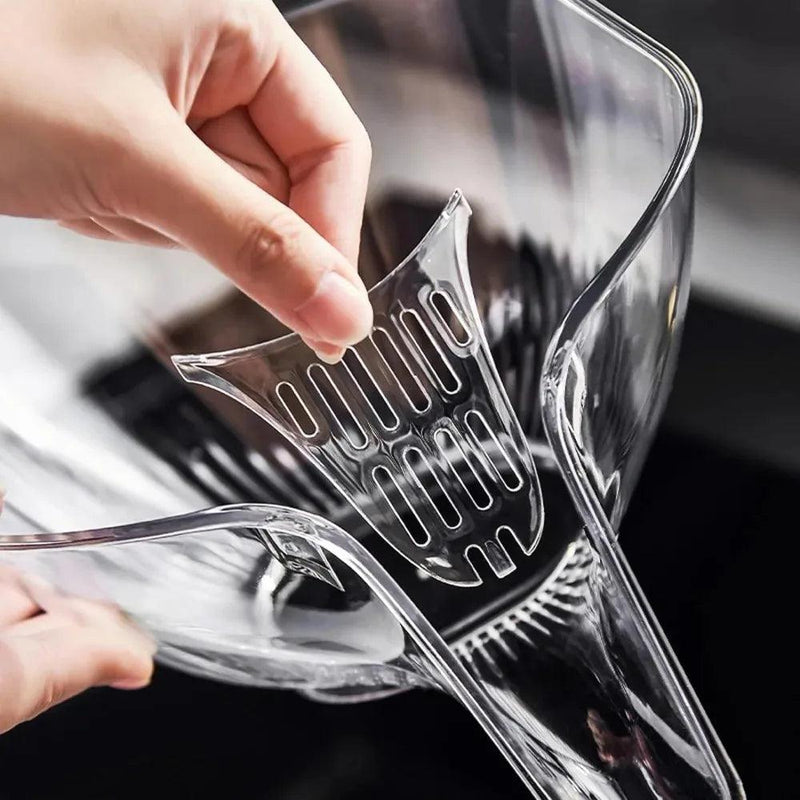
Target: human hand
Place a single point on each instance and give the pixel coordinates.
(200, 123)
(53, 647)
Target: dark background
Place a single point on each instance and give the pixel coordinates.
(712, 534)
(745, 55)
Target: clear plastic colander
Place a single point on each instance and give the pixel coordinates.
(572, 135)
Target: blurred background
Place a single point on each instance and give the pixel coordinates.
(711, 532)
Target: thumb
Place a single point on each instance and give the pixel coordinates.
(190, 194)
(44, 663)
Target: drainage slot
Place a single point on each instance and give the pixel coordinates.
(429, 352)
(461, 466)
(297, 410)
(423, 476)
(450, 316)
(368, 388)
(403, 510)
(340, 413)
(502, 464)
(408, 383)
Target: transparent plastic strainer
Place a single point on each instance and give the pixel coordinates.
(572, 135)
(413, 426)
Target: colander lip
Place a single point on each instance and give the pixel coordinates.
(563, 343)
(686, 85)
(689, 92)
(678, 170)
(614, 268)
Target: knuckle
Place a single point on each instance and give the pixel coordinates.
(243, 18)
(75, 613)
(50, 694)
(363, 142)
(269, 245)
(51, 688)
(277, 182)
(12, 673)
(109, 663)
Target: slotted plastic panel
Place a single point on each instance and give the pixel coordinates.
(413, 426)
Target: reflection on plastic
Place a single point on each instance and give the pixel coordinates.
(576, 648)
(447, 421)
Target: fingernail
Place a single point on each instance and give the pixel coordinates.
(329, 353)
(130, 683)
(330, 358)
(338, 312)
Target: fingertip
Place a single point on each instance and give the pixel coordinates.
(131, 684)
(127, 660)
(142, 638)
(338, 312)
(133, 670)
(330, 358)
(328, 353)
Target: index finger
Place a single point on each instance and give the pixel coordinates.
(306, 120)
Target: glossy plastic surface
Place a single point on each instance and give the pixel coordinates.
(413, 427)
(578, 645)
(573, 136)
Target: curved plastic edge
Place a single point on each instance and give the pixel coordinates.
(446, 664)
(303, 541)
(186, 364)
(612, 271)
(557, 364)
(202, 369)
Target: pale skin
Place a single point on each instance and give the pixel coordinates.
(202, 124)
